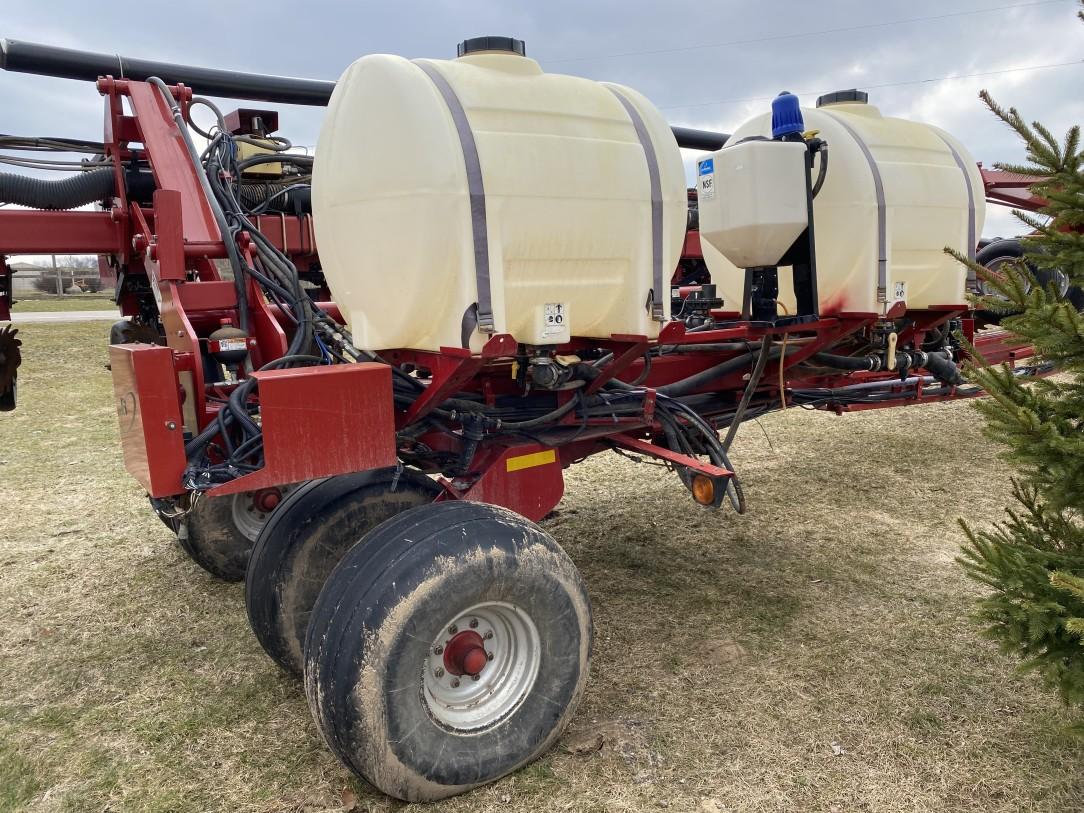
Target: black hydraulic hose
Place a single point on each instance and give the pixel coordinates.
(939, 363)
(68, 63)
(706, 377)
(747, 396)
(642, 377)
(944, 369)
(716, 450)
(65, 193)
(275, 158)
(845, 362)
(823, 172)
(865, 386)
(245, 388)
(549, 417)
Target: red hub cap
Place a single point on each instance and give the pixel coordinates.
(266, 499)
(465, 653)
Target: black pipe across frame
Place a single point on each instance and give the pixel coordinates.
(68, 63)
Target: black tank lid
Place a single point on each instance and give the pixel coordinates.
(476, 44)
(852, 95)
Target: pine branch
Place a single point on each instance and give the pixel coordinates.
(1032, 562)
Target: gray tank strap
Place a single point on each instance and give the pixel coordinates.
(477, 194)
(882, 225)
(971, 224)
(658, 283)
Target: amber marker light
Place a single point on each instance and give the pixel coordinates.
(703, 490)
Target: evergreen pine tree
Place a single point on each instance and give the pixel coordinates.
(1033, 561)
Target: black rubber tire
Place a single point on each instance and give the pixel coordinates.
(207, 534)
(305, 538)
(370, 634)
(1014, 250)
(1076, 296)
(125, 331)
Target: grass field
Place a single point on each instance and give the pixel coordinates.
(813, 655)
(82, 302)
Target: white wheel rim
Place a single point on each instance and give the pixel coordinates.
(994, 267)
(514, 652)
(1059, 278)
(248, 518)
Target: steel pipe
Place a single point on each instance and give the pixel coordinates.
(68, 63)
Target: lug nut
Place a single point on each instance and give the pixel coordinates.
(488, 635)
(455, 683)
(475, 677)
(474, 623)
(438, 649)
(439, 673)
(489, 656)
(453, 629)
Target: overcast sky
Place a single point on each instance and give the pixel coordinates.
(705, 64)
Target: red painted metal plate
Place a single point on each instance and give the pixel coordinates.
(322, 421)
(527, 479)
(149, 416)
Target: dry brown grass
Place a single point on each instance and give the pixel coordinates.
(732, 652)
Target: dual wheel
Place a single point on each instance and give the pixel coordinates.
(218, 533)
(442, 644)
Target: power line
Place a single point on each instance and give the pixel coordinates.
(799, 35)
(881, 85)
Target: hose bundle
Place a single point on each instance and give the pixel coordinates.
(232, 444)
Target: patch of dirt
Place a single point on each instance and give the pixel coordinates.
(722, 652)
(625, 738)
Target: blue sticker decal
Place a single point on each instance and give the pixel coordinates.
(707, 166)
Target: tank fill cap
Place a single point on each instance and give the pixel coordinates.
(786, 115)
(507, 44)
(842, 97)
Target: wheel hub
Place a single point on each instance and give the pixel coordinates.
(266, 499)
(251, 509)
(481, 666)
(465, 654)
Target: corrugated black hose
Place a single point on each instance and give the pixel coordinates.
(65, 193)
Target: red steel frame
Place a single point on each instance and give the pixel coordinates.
(161, 392)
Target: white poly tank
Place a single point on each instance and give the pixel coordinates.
(441, 186)
(909, 187)
(763, 207)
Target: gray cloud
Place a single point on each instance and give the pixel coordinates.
(701, 87)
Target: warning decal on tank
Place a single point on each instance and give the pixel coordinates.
(556, 318)
(901, 291)
(529, 461)
(705, 186)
